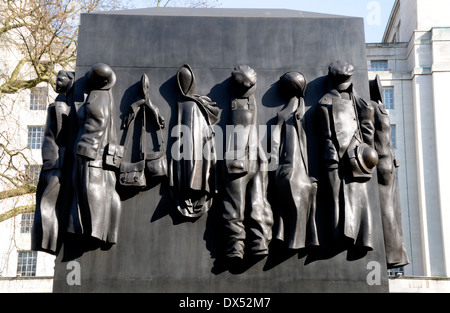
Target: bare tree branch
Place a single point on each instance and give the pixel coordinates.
(184, 3)
(16, 211)
(43, 34)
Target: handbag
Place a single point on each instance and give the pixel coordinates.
(150, 164)
(156, 164)
(156, 161)
(133, 174)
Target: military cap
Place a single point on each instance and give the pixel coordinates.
(293, 84)
(101, 76)
(341, 68)
(244, 75)
(244, 80)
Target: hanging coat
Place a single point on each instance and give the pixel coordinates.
(45, 232)
(97, 207)
(345, 124)
(396, 255)
(295, 189)
(192, 173)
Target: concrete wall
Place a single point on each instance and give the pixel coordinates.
(440, 47)
(403, 21)
(419, 285)
(432, 13)
(26, 285)
(408, 19)
(402, 115)
(424, 80)
(396, 285)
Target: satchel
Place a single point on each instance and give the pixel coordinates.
(153, 164)
(156, 164)
(132, 174)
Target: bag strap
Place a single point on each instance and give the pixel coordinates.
(355, 104)
(159, 133)
(136, 108)
(133, 113)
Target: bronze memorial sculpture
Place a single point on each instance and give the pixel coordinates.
(49, 200)
(192, 172)
(150, 163)
(247, 213)
(96, 208)
(224, 219)
(355, 137)
(296, 190)
(396, 255)
(347, 131)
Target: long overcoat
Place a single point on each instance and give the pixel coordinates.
(296, 190)
(345, 124)
(192, 172)
(46, 225)
(396, 255)
(97, 207)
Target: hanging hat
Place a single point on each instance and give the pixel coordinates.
(376, 89)
(363, 161)
(293, 84)
(186, 80)
(341, 72)
(244, 80)
(101, 76)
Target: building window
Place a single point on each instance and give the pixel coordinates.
(38, 98)
(379, 65)
(35, 137)
(388, 97)
(26, 223)
(394, 136)
(26, 263)
(32, 173)
(395, 272)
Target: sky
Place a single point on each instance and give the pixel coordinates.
(375, 13)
